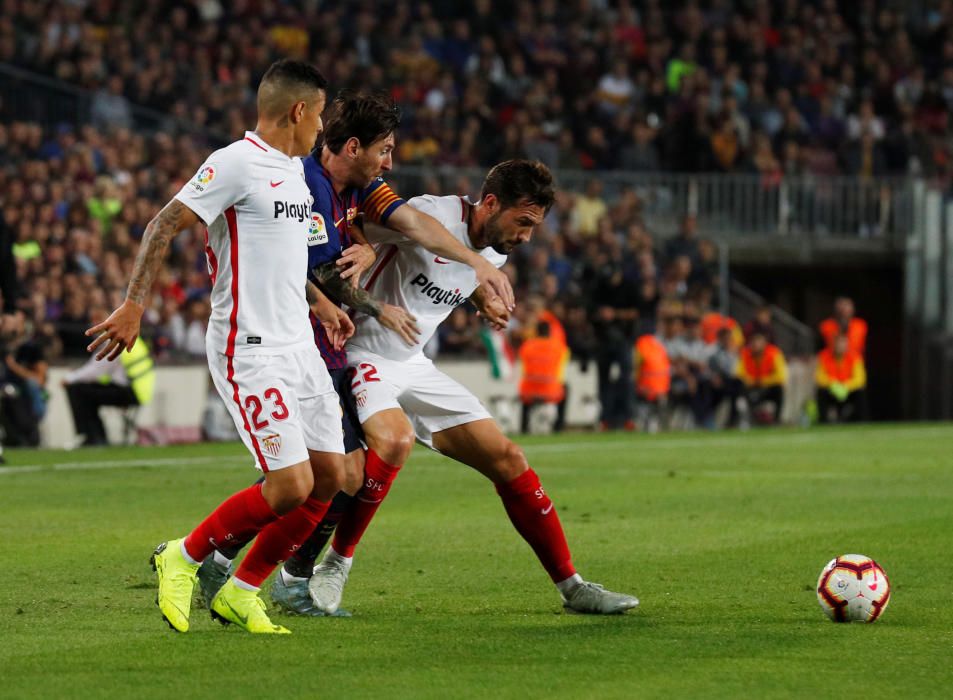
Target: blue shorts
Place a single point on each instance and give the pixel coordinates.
(353, 435)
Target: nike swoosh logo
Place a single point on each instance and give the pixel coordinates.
(242, 619)
(545, 511)
(441, 262)
(275, 184)
(339, 221)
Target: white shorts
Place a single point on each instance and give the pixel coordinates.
(430, 399)
(282, 405)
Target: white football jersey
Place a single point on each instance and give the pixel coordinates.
(257, 208)
(408, 275)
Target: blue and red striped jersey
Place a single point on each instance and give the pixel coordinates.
(328, 235)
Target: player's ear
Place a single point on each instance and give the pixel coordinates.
(491, 202)
(352, 146)
(297, 112)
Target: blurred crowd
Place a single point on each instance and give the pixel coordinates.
(768, 88)
(75, 204)
(754, 86)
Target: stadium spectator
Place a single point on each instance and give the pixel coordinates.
(98, 383)
(543, 359)
(590, 208)
(722, 366)
(694, 362)
(761, 323)
(845, 322)
(23, 394)
(685, 244)
(764, 373)
(841, 380)
(614, 324)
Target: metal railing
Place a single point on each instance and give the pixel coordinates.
(725, 205)
(795, 338)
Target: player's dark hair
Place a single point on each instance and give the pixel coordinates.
(366, 116)
(520, 181)
(287, 82)
(298, 73)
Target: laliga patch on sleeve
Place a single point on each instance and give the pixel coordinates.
(203, 178)
(317, 231)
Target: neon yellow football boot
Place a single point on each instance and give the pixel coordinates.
(176, 582)
(243, 608)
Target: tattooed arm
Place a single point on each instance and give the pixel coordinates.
(121, 329)
(311, 293)
(389, 316)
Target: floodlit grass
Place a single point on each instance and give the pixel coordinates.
(722, 537)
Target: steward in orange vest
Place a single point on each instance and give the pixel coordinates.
(543, 359)
(844, 322)
(713, 322)
(653, 370)
(764, 372)
(841, 379)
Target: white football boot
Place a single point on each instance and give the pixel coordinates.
(593, 599)
(327, 582)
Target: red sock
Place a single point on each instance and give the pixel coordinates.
(534, 517)
(238, 519)
(378, 476)
(280, 540)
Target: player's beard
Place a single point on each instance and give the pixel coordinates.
(494, 235)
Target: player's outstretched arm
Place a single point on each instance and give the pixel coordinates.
(388, 315)
(491, 308)
(432, 235)
(121, 329)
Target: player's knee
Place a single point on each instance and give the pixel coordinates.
(329, 478)
(511, 463)
(289, 491)
(393, 444)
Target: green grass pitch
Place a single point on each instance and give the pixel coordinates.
(722, 537)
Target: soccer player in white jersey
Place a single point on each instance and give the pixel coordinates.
(400, 394)
(253, 198)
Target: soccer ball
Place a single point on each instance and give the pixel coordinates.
(853, 588)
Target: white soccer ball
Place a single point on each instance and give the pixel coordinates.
(853, 588)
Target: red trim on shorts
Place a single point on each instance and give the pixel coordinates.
(385, 261)
(232, 220)
(257, 144)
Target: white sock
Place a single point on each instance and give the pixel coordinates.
(245, 586)
(568, 584)
(334, 558)
(288, 579)
(221, 559)
(185, 554)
